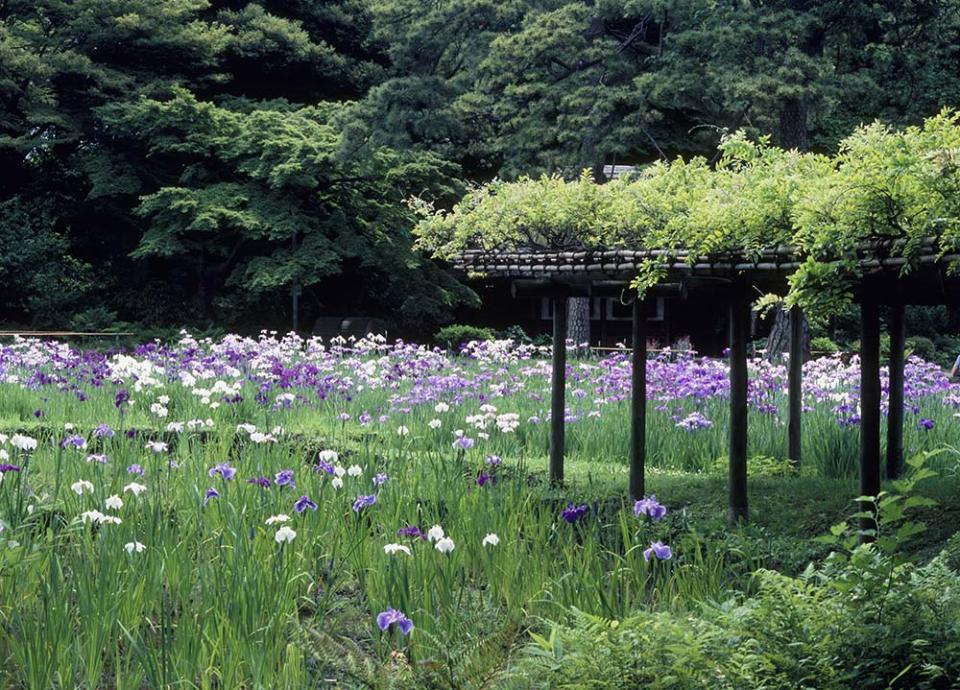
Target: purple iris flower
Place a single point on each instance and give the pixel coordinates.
(380, 478)
(103, 430)
(650, 507)
(130, 433)
(411, 531)
(364, 418)
(393, 617)
(209, 494)
(463, 443)
(322, 466)
(121, 398)
(362, 502)
(9, 468)
(303, 503)
(223, 469)
(75, 441)
(494, 460)
(285, 478)
(343, 417)
(38, 413)
(263, 482)
(572, 513)
(136, 469)
(658, 549)
(483, 478)
(926, 424)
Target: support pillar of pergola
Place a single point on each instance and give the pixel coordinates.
(869, 410)
(638, 401)
(795, 388)
(558, 383)
(895, 392)
(737, 510)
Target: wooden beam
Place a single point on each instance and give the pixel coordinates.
(638, 402)
(558, 409)
(869, 408)
(895, 411)
(795, 387)
(739, 334)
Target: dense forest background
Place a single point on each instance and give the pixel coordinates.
(199, 162)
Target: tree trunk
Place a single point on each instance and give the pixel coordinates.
(778, 341)
(793, 124)
(578, 323)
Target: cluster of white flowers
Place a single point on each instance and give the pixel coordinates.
(508, 422)
(259, 437)
(141, 372)
(441, 542)
(98, 518)
(24, 443)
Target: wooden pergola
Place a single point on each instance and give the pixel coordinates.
(562, 274)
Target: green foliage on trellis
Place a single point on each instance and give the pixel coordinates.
(896, 187)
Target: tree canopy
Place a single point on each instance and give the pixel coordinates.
(897, 186)
(199, 161)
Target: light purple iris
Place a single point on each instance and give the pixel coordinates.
(393, 617)
(650, 507)
(380, 478)
(303, 503)
(322, 466)
(223, 469)
(136, 469)
(103, 431)
(74, 441)
(262, 482)
(285, 478)
(362, 502)
(926, 424)
(658, 549)
(463, 443)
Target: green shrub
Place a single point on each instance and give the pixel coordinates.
(866, 618)
(455, 335)
(921, 347)
(823, 345)
(514, 333)
(759, 466)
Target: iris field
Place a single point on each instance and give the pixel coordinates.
(281, 513)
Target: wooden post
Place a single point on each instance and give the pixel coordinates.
(895, 412)
(795, 386)
(869, 408)
(558, 409)
(739, 332)
(638, 403)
